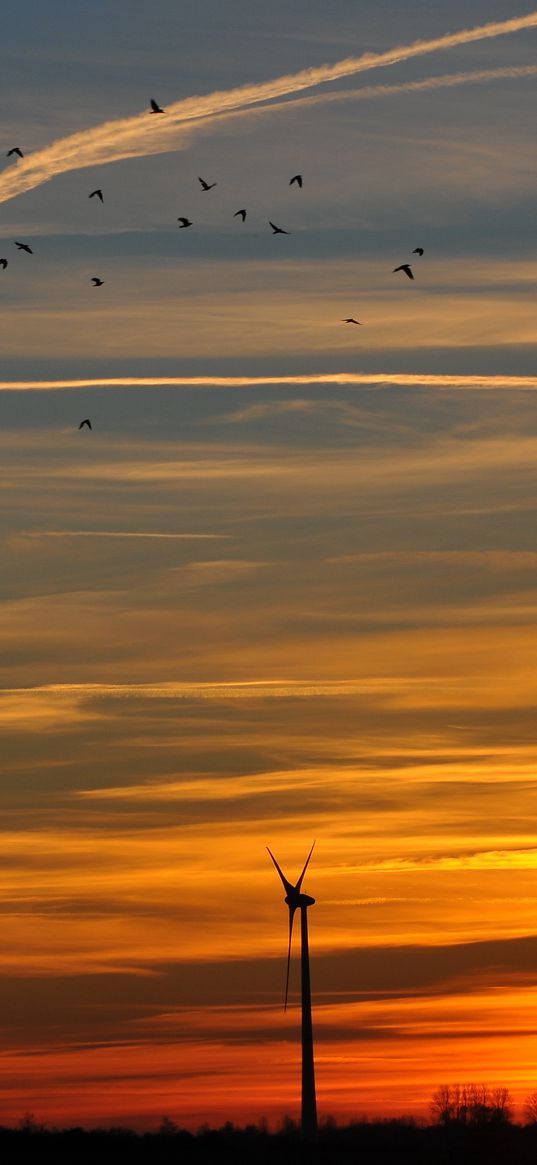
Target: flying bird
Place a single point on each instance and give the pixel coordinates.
(350, 320)
(85, 422)
(24, 247)
(3, 263)
(242, 214)
(406, 268)
(206, 185)
(418, 251)
(96, 281)
(15, 150)
(185, 222)
(298, 179)
(277, 230)
(97, 193)
(155, 108)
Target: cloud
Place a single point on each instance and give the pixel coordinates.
(523, 859)
(372, 92)
(346, 379)
(115, 534)
(265, 304)
(505, 559)
(147, 134)
(249, 690)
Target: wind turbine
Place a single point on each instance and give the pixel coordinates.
(296, 900)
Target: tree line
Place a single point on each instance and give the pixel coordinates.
(469, 1124)
(477, 1104)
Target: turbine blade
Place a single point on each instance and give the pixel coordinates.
(287, 884)
(300, 880)
(291, 917)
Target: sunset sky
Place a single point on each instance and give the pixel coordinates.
(286, 588)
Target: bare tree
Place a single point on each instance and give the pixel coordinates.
(31, 1125)
(168, 1127)
(449, 1103)
(442, 1105)
(530, 1109)
(502, 1104)
(475, 1104)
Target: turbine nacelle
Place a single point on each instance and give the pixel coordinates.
(294, 901)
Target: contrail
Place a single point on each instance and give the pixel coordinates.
(370, 92)
(247, 689)
(114, 534)
(394, 379)
(142, 135)
(364, 93)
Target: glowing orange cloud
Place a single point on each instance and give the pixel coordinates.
(397, 379)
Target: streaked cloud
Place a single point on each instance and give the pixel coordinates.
(118, 534)
(372, 93)
(292, 306)
(254, 689)
(426, 84)
(358, 379)
(503, 560)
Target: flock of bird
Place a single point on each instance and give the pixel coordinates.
(185, 222)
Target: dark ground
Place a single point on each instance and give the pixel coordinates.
(398, 1142)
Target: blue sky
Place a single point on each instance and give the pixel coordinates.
(450, 169)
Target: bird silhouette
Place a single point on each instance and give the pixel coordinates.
(406, 268)
(206, 185)
(242, 213)
(15, 150)
(296, 178)
(277, 230)
(350, 320)
(85, 422)
(184, 222)
(155, 108)
(96, 281)
(24, 247)
(3, 263)
(418, 251)
(98, 194)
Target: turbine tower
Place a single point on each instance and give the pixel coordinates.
(298, 901)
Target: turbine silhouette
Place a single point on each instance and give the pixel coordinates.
(296, 900)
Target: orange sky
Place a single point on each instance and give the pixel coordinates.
(140, 905)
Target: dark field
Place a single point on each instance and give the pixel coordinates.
(397, 1142)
